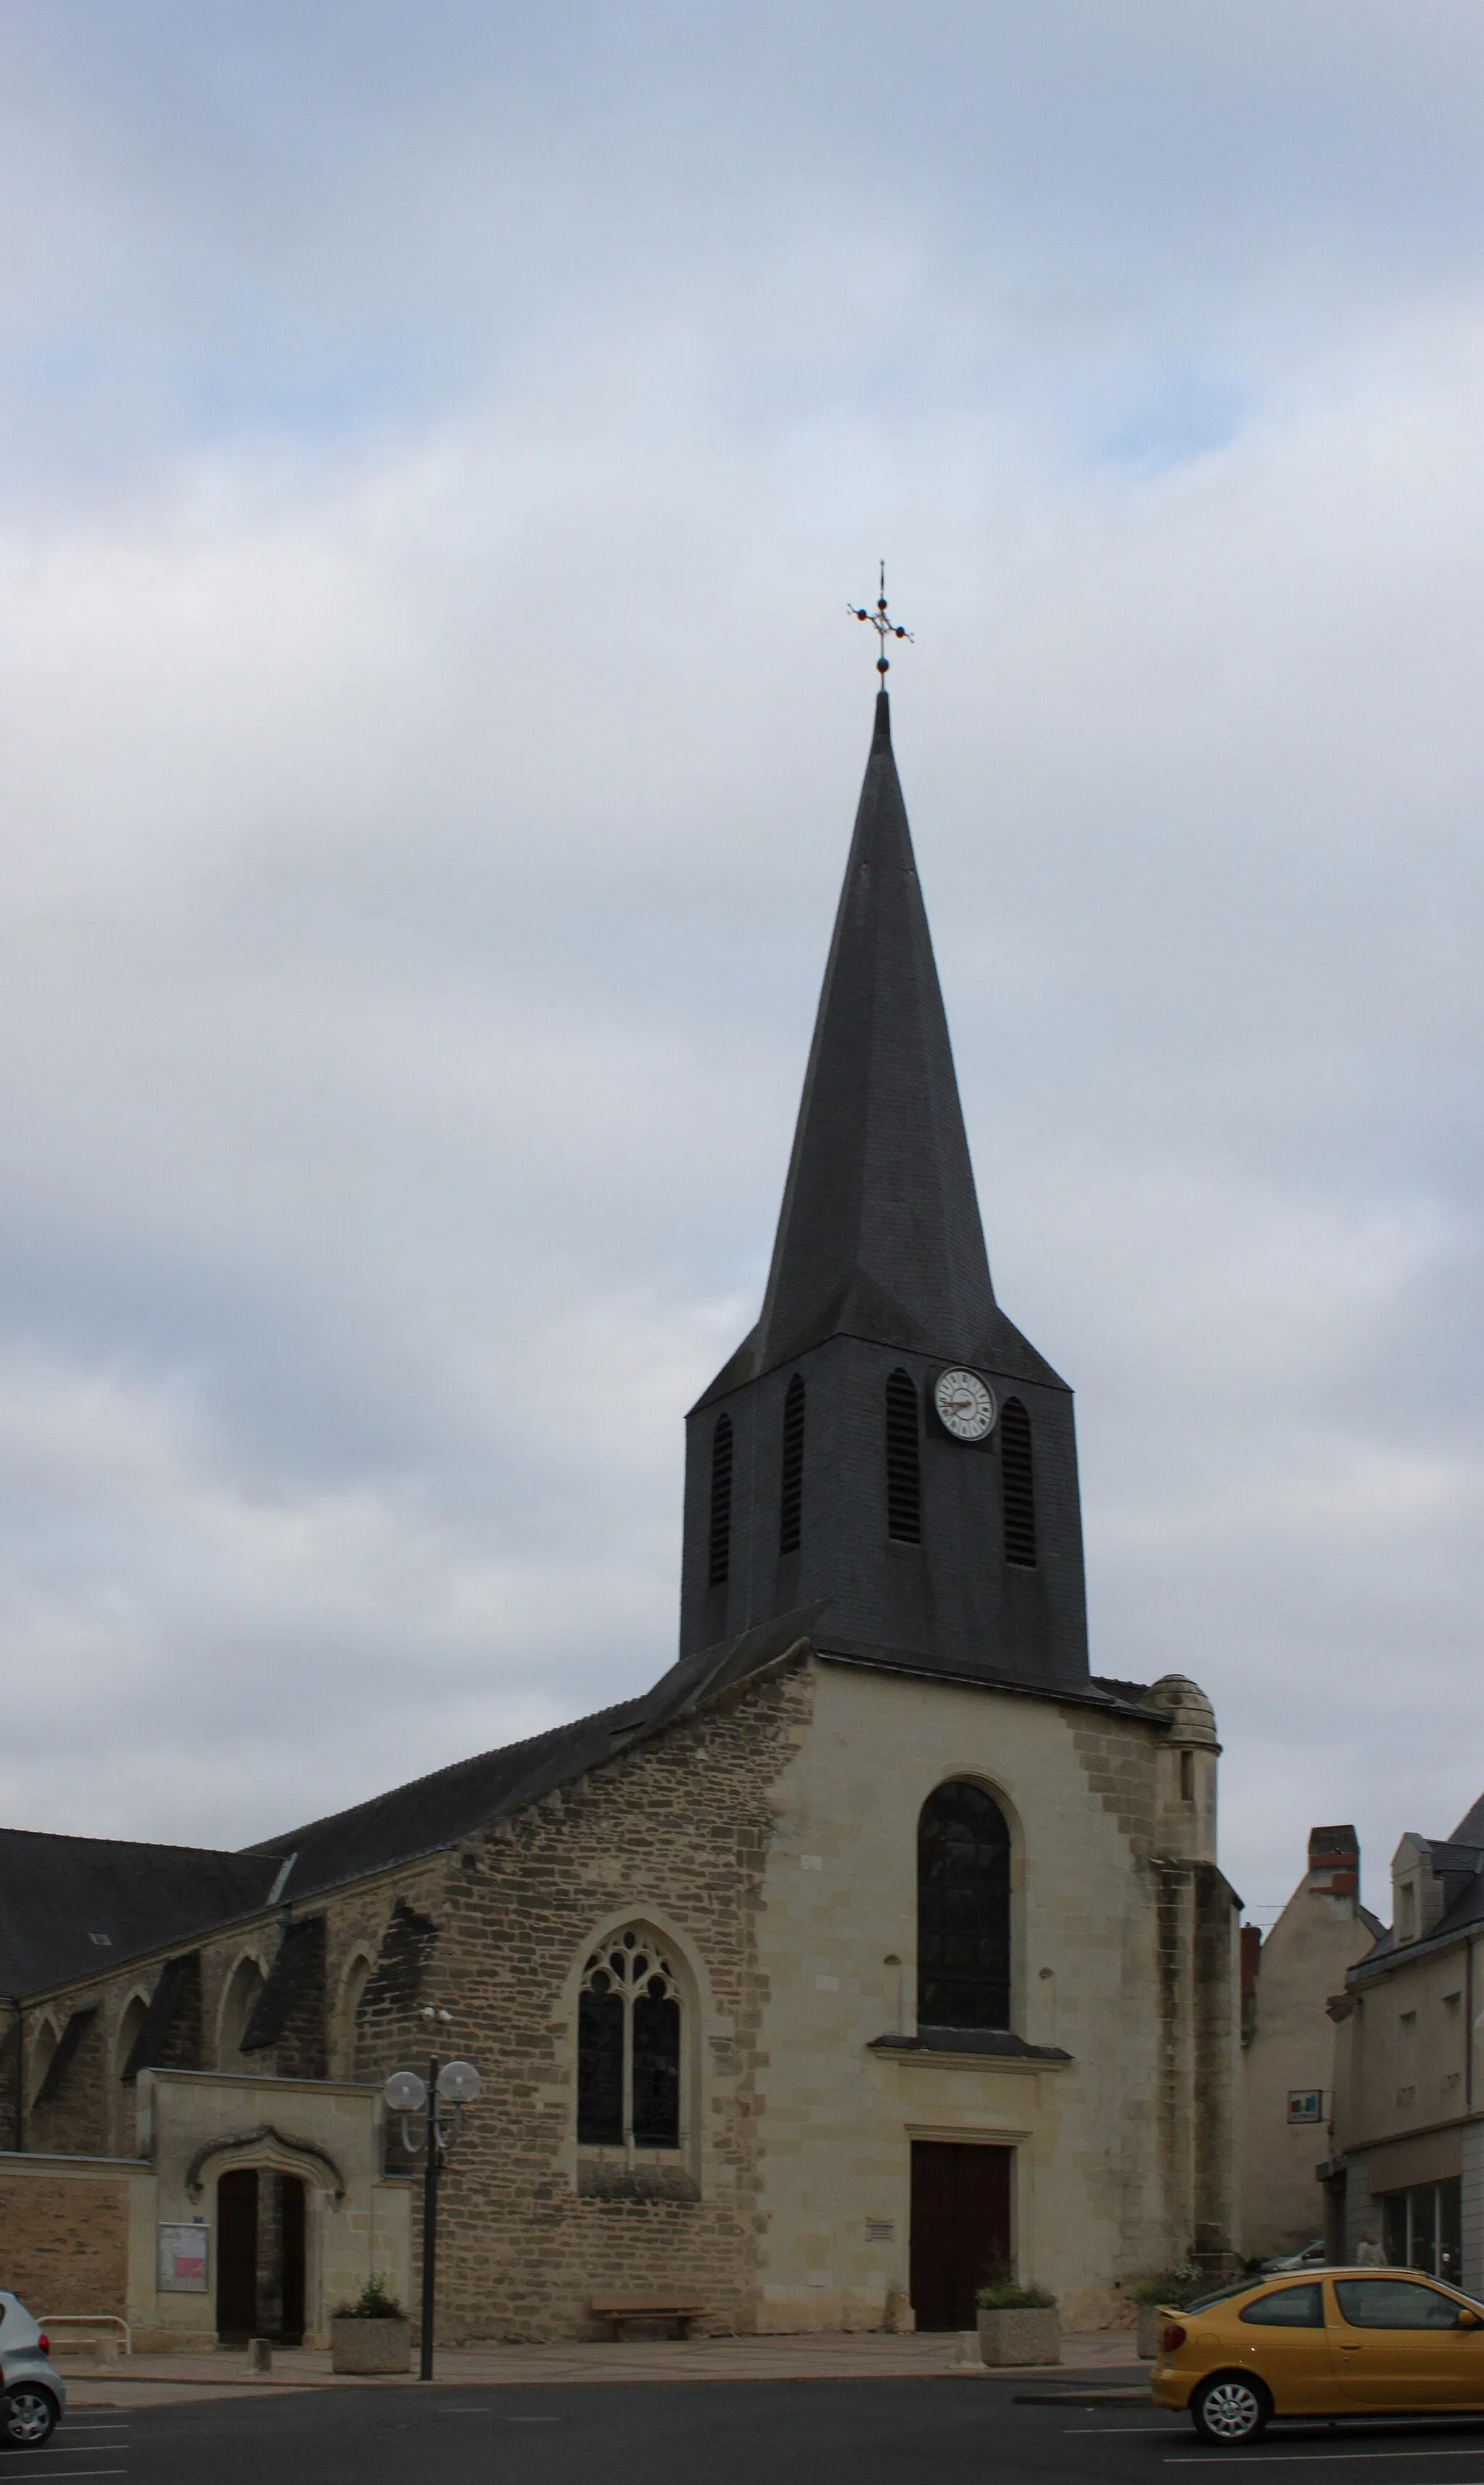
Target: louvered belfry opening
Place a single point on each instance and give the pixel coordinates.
(791, 1498)
(1017, 1485)
(720, 1567)
(904, 1462)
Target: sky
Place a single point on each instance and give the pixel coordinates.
(438, 444)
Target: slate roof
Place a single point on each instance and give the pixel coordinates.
(453, 1803)
(57, 1892)
(879, 1234)
(1459, 1861)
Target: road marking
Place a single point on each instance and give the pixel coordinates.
(1071, 2431)
(1287, 2458)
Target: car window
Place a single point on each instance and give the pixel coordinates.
(1220, 2295)
(1394, 2304)
(1287, 2307)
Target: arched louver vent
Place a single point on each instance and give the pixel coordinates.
(1017, 1485)
(904, 1469)
(791, 1499)
(720, 1569)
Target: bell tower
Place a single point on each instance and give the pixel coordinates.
(885, 1457)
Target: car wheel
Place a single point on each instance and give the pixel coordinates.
(31, 2419)
(1229, 2408)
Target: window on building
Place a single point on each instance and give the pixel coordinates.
(962, 1909)
(628, 2046)
(1017, 1485)
(720, 1569)
(1421, 2229)
(791, 1499)
(904, 1462)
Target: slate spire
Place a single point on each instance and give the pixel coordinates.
(879, 1233)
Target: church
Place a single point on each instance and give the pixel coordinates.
(878, 1950)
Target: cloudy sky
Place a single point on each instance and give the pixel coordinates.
(437, 443)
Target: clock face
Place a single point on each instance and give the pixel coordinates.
(965, 1405)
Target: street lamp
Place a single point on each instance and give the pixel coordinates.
(449, 2083)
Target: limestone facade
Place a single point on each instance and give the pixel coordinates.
(766, 1843)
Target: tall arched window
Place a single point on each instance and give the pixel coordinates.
(720, 1569)
(791, 1499)
(628, 2046)
(962, 1909)
(1017, 1485)
(904, 1467)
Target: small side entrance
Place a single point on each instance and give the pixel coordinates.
(236, 2255)
(961, 2228)
(260, 2257)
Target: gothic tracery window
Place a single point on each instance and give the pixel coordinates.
(962, 1909)
(628, 2046)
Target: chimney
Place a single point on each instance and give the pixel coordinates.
(1335, 1862)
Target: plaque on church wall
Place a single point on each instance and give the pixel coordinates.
(183, 2256)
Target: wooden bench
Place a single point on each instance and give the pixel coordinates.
(681, 2311)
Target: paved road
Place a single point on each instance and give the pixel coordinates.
(947, 2432)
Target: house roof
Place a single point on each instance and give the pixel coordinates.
(74, 1906)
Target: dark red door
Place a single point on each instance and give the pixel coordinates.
(961, 2228)
(236, 2254)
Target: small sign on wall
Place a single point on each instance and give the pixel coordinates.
(184, 2253)
(1306, 2105)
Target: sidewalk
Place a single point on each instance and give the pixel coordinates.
(156, 2381)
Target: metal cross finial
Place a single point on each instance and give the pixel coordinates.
(882, 624)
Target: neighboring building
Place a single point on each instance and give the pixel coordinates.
(1289, 2043)
(1407, 2159)
(880, 1946)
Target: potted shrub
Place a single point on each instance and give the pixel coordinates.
(372, 2336)
(1018, 2325)
(1154, 2300)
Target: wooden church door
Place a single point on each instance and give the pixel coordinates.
(961, 2228)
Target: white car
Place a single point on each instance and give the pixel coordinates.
(1312, 2257)
(33, 2393)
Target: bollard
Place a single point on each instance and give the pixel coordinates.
(260, 2356)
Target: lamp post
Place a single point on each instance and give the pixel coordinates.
(448, 2083)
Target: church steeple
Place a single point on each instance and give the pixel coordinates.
(879, 1232)
(821, 1479)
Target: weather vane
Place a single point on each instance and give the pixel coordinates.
(882, 624)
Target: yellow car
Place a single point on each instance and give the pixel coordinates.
(1341, 2342)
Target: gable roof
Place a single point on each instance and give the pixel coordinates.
(55, 1892)
(76, 1906)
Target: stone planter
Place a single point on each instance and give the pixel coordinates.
(358, 2346)
(1030, 2337)
(1149, 2328)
